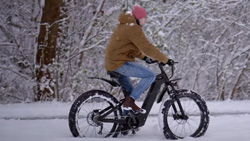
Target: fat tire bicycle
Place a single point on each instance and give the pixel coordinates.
(97, 113)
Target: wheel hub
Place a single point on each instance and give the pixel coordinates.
(181, 119)
(92, 118)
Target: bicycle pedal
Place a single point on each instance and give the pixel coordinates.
(124, 133)
(124, 130)
(133, 132)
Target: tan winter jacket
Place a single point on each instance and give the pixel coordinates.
(129, 42)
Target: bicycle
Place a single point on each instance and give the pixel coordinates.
(97, 113)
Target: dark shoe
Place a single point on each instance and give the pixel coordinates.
(129, 104)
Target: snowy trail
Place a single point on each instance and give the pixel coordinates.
(56, 110)
(221, 128)
(229, 121)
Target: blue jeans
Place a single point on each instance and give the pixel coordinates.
(131, 69)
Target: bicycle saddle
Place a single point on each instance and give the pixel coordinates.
(114, 74)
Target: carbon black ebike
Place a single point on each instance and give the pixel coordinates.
(97, 113)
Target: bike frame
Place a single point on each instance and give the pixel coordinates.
(153, 92)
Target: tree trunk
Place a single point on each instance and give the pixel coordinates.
(46, 50)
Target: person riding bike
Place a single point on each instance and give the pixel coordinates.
(127, 43)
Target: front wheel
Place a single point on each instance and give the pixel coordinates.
(192, 121)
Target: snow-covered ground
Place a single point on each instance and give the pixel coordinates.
(229, 121)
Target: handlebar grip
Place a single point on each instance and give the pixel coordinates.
(160, 63)
(155, 61)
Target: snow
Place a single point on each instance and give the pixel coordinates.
(229, 121)
(161, 33)
(132, 24)
(60, 110)
(42, 3)
(129, 12)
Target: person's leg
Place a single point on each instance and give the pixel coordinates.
(128, 87)
(126, 83)
(131, 69)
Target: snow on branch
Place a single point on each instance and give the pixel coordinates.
(87, 32)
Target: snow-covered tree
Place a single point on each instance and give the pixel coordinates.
(209, 39)
(18, 31)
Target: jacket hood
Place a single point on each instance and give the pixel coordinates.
(126, 18)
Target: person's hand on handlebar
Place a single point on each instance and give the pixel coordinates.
(148, 60)
(170, 62)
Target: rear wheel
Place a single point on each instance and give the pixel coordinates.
(193, 123)
(86, 110)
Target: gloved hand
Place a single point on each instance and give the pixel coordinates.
(148, 60)
(170, 62)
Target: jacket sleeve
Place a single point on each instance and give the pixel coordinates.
(137, 37)
(141, 55)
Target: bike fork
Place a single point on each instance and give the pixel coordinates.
(183, 115)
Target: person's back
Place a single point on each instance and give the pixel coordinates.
(127, 43)
(120, 49)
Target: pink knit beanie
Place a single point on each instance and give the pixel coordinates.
(139, 12)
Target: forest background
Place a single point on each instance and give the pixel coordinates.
(49, 48)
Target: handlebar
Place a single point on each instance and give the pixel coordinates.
(161, 66)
